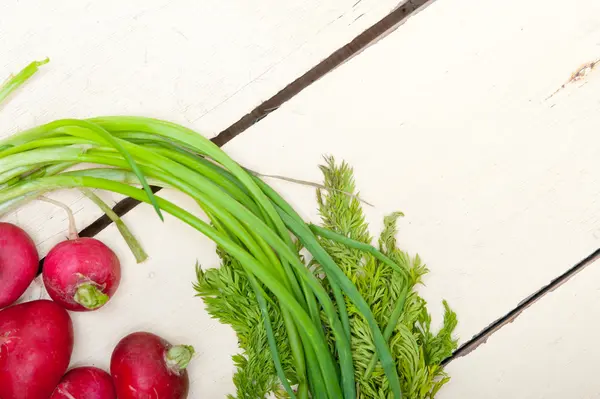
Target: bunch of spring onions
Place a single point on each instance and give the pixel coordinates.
(248, 219)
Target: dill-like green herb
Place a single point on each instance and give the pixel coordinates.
(375, 342)
(228, 296)
(416, 350)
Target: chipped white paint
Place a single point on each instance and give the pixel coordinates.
(202, 63)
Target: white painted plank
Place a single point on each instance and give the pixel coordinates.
(548, 352)
(446, 120)
(448, 125)
(201, 63)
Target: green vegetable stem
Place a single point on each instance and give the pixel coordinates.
(346, 323)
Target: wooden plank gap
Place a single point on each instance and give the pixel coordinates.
(482, 337)
(121, 208)
(379, 30)
(365, 39)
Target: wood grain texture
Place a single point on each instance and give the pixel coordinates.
(548, 352)
(200, 63)
(158, 296)
(446, 120)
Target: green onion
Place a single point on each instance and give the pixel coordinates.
(308, 331)
(16, 81)
(249, 221)
(133, 244)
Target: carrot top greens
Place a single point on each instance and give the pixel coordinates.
(417, 351)
(346, 323)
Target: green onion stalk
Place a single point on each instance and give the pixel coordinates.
(248, 220)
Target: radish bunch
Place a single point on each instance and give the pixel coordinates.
(36, 338)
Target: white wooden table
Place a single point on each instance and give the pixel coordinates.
(447, 119)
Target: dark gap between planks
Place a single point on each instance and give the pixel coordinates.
(384, 26)
(340, 56)
(482, 337)
(369, 36)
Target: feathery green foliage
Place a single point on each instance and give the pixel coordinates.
(417, 351)
(228, 296)
(375, 341)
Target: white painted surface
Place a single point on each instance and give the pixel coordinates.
(202, 63)
(444, 119)
(549, 352)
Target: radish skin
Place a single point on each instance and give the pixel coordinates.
(18, 263)
(144, 365)
(85, 383)
(36, 342)
(81, 274)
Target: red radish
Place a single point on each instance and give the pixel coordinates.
(81, 274)
(36, 341)
(18, 263)
(85, 383)
(144, 365)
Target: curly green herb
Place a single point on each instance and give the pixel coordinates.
(349, 324)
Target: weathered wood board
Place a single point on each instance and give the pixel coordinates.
(548, 352)
(201, 63)
(447, 119)
(452, 126)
